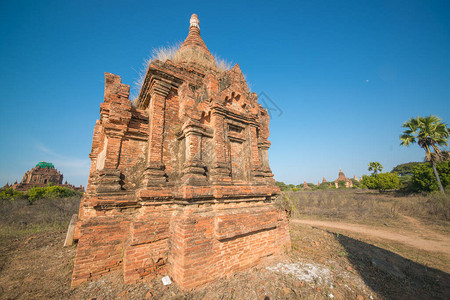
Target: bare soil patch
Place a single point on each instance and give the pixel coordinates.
(410, 237)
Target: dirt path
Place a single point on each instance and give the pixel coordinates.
(440, 243)
(422, 229)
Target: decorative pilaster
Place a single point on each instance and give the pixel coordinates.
(115, 114)
(194, 169)
(265, 169)
(154, 174)
(257, 172)
(220, 171)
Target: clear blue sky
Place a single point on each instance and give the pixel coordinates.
(345, 74)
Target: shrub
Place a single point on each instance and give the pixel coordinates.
(324, 186)
(381, 182)
(58, 192)
(369, 182)
(406, 182)
(423, 179)
(356, 183)
(341, 184)
(35, 193)
(10, 194)
(287, 202)
(388, 181)
(50, 191)
(281, 185)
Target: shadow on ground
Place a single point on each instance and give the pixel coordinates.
(393, 276)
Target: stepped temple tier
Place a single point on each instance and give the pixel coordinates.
(179, 184)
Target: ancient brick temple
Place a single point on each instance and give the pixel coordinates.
(180, 183)
(41, 175)
(342, 178)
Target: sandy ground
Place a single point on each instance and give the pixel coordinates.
(417, 235)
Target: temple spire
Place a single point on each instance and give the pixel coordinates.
(195, 22)
(193, 52)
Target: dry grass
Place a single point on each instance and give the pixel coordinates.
(18, 218)
(162, 53)
(222, 65)
(365, 206)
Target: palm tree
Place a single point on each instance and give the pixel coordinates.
(429, 133)
(375, 167)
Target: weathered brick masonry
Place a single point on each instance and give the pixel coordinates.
(180, 183)
(41, 175)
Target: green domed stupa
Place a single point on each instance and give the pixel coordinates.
(44, 164)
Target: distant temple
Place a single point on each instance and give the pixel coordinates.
(41, 175)
(341, 177)
(305, 186)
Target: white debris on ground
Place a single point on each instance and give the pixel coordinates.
(308, 272)
(166, 280)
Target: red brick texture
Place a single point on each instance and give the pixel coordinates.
(179, 184)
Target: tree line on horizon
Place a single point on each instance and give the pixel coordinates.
(35, 193)
(430, 133)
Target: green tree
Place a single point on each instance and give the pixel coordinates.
(405, 172)
(387, 181)
(429, 133)
(423, 179)
(369, 182)
(281, 185)
(375, 167)
(406, 169)
(381, 182)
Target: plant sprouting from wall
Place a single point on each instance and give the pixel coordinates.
(162, 53)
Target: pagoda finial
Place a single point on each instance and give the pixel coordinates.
(193, 51)
(195, 22)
